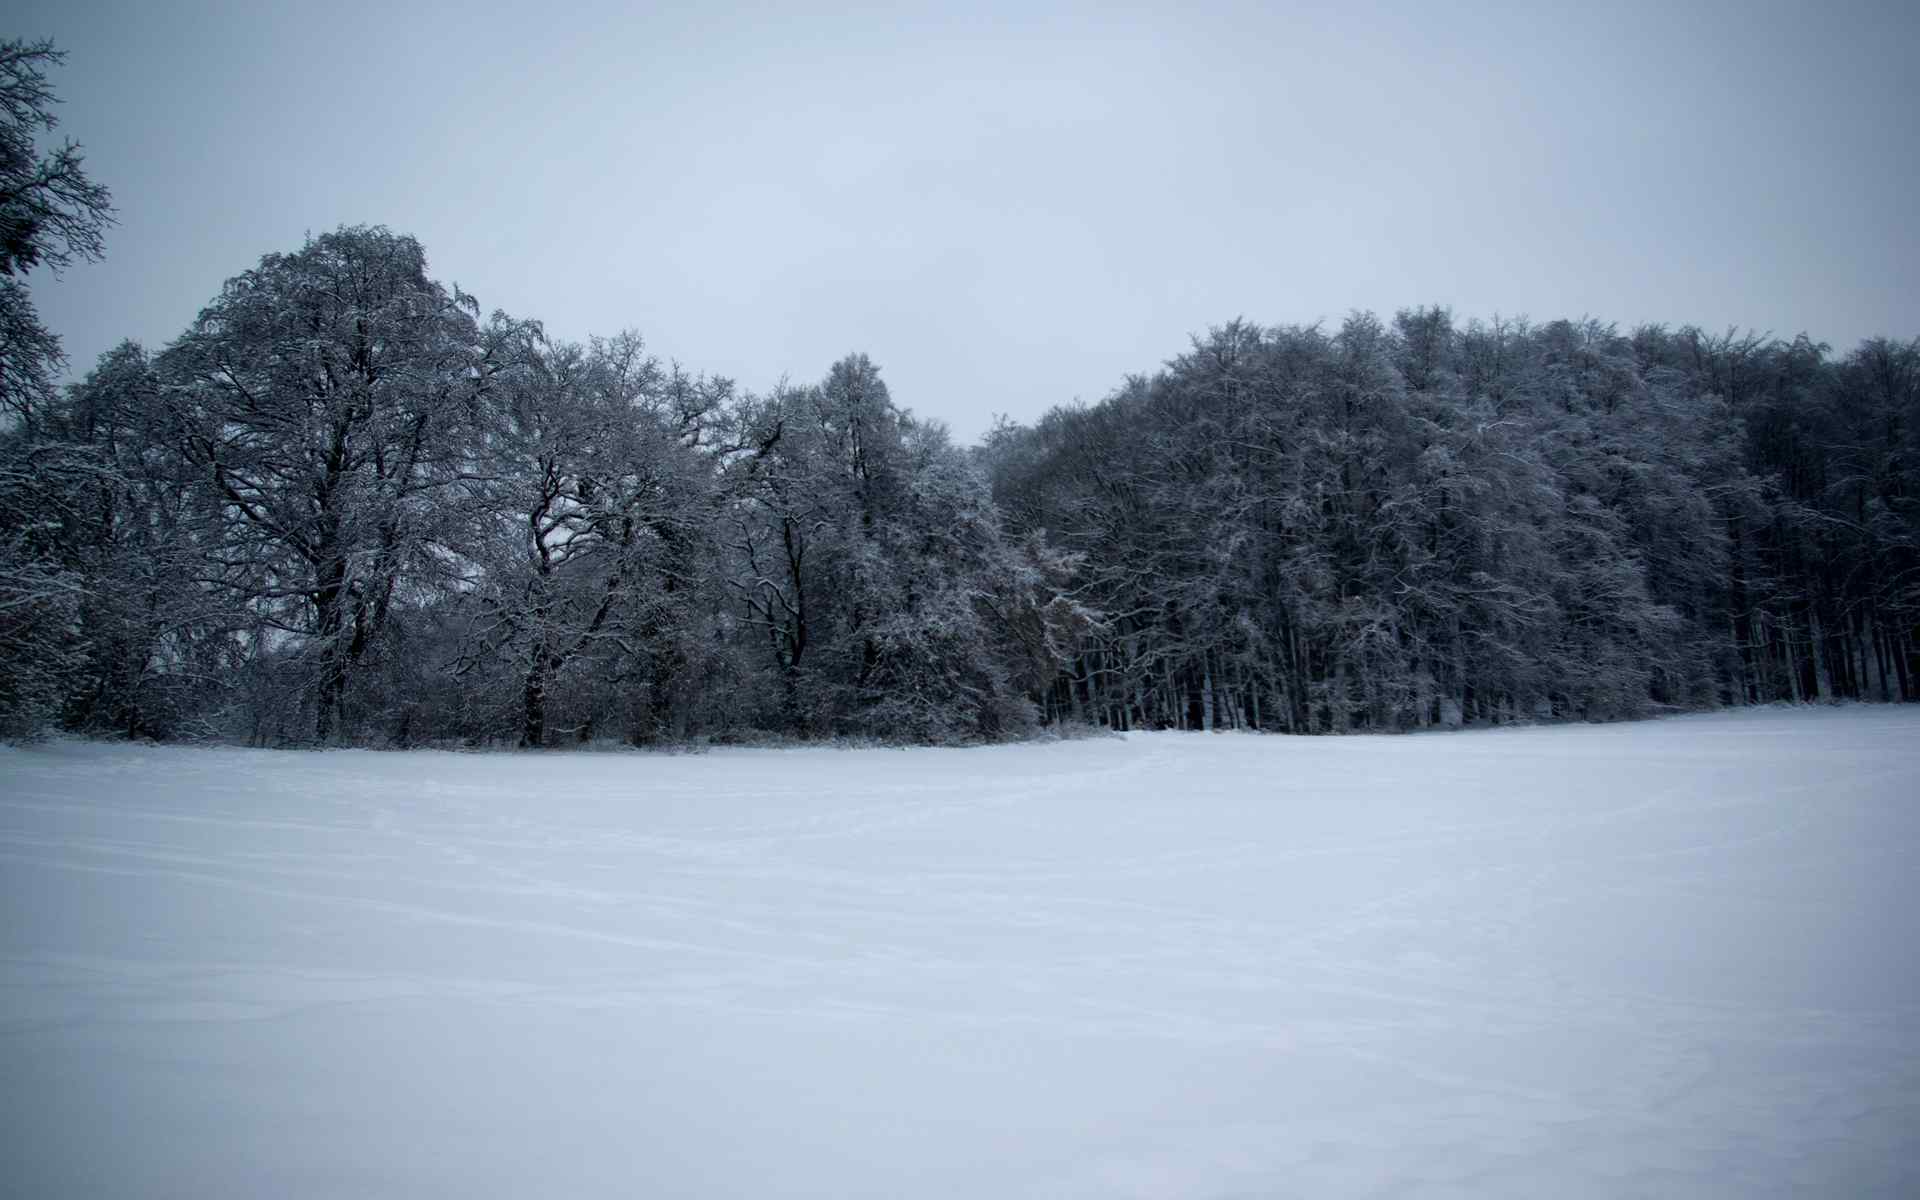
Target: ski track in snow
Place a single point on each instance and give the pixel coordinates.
(1677, 958)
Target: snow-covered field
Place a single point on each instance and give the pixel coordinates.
(1679, 958)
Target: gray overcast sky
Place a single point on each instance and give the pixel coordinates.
(1007, 205)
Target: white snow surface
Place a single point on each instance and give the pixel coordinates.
(1677, 958)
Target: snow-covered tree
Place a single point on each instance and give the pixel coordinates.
(327, 398)
(592, 549)
(51, 213)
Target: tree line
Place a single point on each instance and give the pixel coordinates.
(345, 506)
(1418, 524)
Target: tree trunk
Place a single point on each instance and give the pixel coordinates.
(1822, 673)
(533, 726)
(328, 605)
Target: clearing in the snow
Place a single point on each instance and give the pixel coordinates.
(1672, 958)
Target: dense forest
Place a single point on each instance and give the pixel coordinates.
(345, 506)
(1417, 524)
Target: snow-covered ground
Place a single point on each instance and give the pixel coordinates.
(1678, 958)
